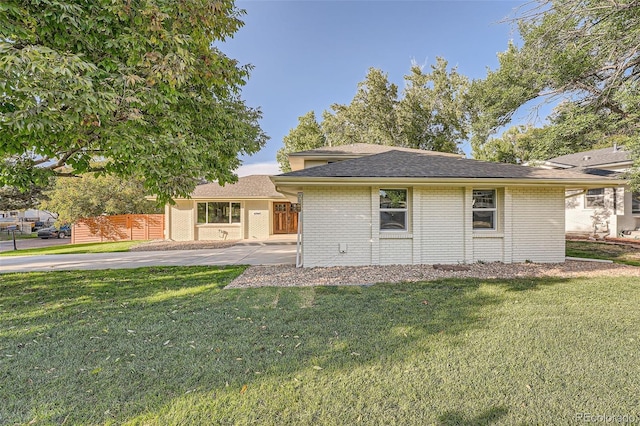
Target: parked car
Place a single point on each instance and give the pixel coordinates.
(53, 232)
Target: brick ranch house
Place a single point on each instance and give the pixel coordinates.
(400, 206)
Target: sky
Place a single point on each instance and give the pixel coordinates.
(308, 55)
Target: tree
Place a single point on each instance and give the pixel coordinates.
(12, 198)
(369, 118)
(516, 146)
(584, 52)
(307, 135)
(432, 113)
(139, 85)
(74, 199)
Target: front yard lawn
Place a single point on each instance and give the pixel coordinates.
(169, 346)
(108, 247)
(618, 253)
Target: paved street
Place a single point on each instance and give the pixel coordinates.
(258, 254)
(28, 243)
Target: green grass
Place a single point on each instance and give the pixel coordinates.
(169, 346)
(594, 250)
(4, 236)
(76, 249)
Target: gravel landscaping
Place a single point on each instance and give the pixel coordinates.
(290, 276)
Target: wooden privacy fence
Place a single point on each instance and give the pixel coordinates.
(118, 228)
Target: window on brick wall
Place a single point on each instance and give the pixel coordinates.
(218, 212)
(594, 198)
(635, 203)
(393, 209)
(484, 207)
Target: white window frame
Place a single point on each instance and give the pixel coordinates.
(206, 213)
(590, 198)
(395, 209)
(493, 209)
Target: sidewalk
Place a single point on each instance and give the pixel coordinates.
(250, 254)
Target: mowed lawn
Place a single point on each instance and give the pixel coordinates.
(170, 346)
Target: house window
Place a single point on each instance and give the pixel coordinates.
(635, 202)
(594, 198)
(218, 212)
(393, 209)
(484, 209)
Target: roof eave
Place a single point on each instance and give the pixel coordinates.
(281, 181)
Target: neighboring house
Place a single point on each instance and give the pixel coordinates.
(405, 206)
(250, 209)
(608, 210)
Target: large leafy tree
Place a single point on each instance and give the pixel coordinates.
(137, 84)
(583, 52)
(12, 198)
(432, 114)
(369, 118)
(307, 135)
(87, 196)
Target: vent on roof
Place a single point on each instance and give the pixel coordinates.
(586, 158)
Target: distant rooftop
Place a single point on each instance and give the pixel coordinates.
(255, 186)
(359, 149)
(593, 158)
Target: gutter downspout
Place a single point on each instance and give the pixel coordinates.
(299, 253)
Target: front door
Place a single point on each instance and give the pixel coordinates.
(285, 218)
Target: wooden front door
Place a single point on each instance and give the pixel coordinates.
(285, 218)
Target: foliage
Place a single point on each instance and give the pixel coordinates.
(171, 346)
(12, 198)
(583, 52)
(369, 118)
(431, 114)
(90, 195)
(307, 135)
(139, 85)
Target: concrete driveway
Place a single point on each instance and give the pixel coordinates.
(254, 254)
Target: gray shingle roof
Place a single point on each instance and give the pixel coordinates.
(362, 149)
(255, 186)
(593, 158)
(399, 164)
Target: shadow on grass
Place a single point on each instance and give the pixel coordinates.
(111, 346)
(487, 417)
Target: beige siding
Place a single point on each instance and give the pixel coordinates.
(538, 224)
(441, 225)
(181, 221)
(257, 219)
(211, 232)
(334, 216)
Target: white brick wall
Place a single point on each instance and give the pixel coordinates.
(396, 251)
(530, 227)
(335, 215)
(441, 225)
(538, 224)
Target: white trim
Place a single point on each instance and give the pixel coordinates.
(493, 209)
